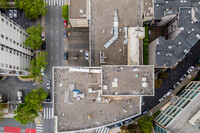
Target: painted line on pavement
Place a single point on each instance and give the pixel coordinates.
(52, 113)
(49, 113)
(44, 113)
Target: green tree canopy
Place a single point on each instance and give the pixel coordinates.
(28, 111)
(37, 64)
(145, 124)
(34, 39)
(4, 4)
(65, 12)
(32, 8)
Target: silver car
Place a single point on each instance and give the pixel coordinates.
(10, 13)
(15, 13)
(86, 55)
(48, 84)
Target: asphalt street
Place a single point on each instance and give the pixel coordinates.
(174, 75)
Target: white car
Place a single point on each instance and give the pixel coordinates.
(1, 98)
(48, 84)
(86, 55)
(43, 36)
(176, 85)
(42, 72)
(190, 69)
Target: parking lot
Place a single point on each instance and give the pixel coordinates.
(11, 85)
(75, 45)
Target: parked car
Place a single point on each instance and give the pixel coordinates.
(10, 13)
(42, 72)
(176, 85)
(19, 96)
(169, 92)
(43, 45)
(15, 14)
(118, 125)
(182, 77)
(190, 69)
(197, 62)
(127, 121)
(65, 56)
(65, 23)
(1, 97)
(65, 34)
(48, 98)
(86, 55)
(161, 99)
(48, 84)
(43, 36)
(145, 111)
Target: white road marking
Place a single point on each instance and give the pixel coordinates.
(52, 113)
(49, 113)
(38, 125)
(44, 113)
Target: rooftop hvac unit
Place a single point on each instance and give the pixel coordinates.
(169, 47)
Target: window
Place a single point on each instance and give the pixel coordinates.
(17, 43)
(2, 48)
(10, 25)
(23, 33)
(10, 40)
(14, 27)
(20, 45)
(6, 49)
(18, 30)
(17, 54)
(6, 65)
(6, 38)
(2, 36)
(2, 65)
(13, 67)
(10, 66)
(11, 51)
(17, 68)
(2, 20)
(23, 46)
(6, 22)
(14, 42)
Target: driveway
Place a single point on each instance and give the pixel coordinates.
(11, 85)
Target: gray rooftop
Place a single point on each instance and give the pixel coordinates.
(78, 9)
(169, 52)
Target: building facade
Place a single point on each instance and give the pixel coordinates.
(14, 55)
(177, 115)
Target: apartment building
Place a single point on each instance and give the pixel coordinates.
(14, 55)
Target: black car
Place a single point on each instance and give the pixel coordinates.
(118, 125)
(48, 98)
(43, 45)
(65, 34)
(197, 62)
(183, 77)
(145, 111)
(65, 56)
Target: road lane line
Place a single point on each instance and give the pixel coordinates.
(44, 113)
(38, 127)
(52, 113)
(49, 113)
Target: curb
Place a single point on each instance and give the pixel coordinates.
(24, 79)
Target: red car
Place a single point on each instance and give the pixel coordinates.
(65, 23)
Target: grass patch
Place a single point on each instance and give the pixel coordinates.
(145, 46)
(158, 83)
(26, 77)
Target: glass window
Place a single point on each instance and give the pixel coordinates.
(14, 42)
(10, 25)
(6, 22)
(6, 38)
(2, 65)
(14, 27)
(2, 36)
(6, 65)
(2, 48)
(2, 20)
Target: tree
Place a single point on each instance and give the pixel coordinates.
(158, 83)
(65, 12)
(37, 64)
(145, 124)
(34, 39)
(28, 111)
(32, 8)
(4, 4)
(163, 75)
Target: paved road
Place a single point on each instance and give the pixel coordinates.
(174, 76)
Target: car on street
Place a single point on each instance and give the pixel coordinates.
(48, 84)
(190, 69)
(197, 62)
(176, 85)
(127, 121)
(86, 55)
(65, 56)
(161, 99)
(65, 34)
(1, 97)
(65, 23)
(15, 14)
(43, 36)
(169, 92)
(145, 111)
(10, 13)
(42, 71)
(48, 98)
(182, 77)
(43, 45)
(118, 125)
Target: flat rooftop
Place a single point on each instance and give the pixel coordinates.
(77, 9)
(102, 29)
(127, 80)
(77, 112)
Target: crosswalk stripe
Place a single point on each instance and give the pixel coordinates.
(38, 130)
(103, 130)
(38, 127)
(56, 2)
